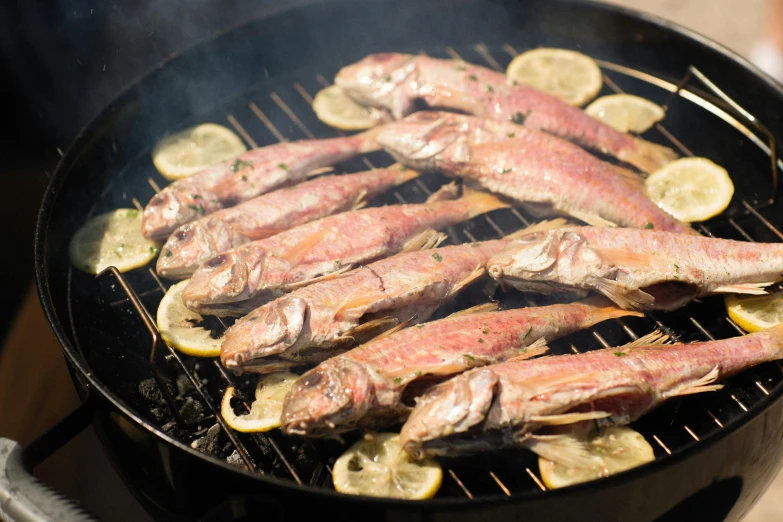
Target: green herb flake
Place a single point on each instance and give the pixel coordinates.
(490, 89)
(239, 164)
(419, 326)
(620, 354)
(469, 357)
(196, 196)
(152, 250)
(398, 380)
(284, 167)
(252, 185)
(474, 245)
(506, 170)
(485, 331)
(132, 213)
(167, 253)
(460, 68)
(519, 118)
(386, 78)
(481, 341)
(244, 178)
(649, 226)
(403, 168)
(473, 77)
(676, 268)
(417, 374)
(511, 134)
(437, 257)
(529, 331)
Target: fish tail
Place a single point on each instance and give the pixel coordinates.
(367, 140)
(481, 202)
(604, 309)
(404, 173)
(647, 156)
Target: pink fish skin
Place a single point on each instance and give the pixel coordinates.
(270, 214)
(508, 403)
(250, 174)
(395, 82)
(239, 279)
(541, 171)
(363, 388)
(321, 320)
(637, 269)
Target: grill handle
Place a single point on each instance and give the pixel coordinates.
(25, 499)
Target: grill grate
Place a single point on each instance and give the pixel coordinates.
(673, 427)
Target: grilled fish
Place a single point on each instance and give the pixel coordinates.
(637, 269)
(321, 320)
(239, 280)
(250, 174)
(515, 403)
(364, 387)
(541, 171)
(395, 82)
(271, 214)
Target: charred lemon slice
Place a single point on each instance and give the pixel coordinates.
(602, 453)
(266, 409)
(625, 112)
(182, 328)
(571, 76)
(111, 239)
(691, 189)
(194, 149)
(755, 313)
(336, 109)
(379, 467)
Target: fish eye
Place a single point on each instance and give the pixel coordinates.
(216, 261)
(312, 379)
(181, 235)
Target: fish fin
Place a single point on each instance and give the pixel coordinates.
(369, 328)
(646, 156)
(541, 226)
(399, 327)
(627, 298)
(481, 202)
(317, 172)
(447, 192)
(349, 308)
(606, 309)
(563, 448)
(326, 277)
(654, 338)
(477, 273)
(619, 256)
(294, 255)
(408, 173)
(539, 347)
(478, 309)
(743, 288)
(560, 419)
(360, 201)
(594, 220)
(429, 238)
(701, 385)
(631, 176)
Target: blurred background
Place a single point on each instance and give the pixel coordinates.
(60, 63)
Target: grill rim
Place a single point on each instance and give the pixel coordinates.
(91, 381)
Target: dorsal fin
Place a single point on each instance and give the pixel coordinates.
(478, 309)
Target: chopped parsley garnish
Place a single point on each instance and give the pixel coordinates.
(398, 380)
(620, 354)
(386, 78)
(336, 262)
(506, 170)
(649, 226)
(417, 374)
(133, 213)
(284, 167)
(460, 68)
(200, 208)
(529, 330)
(511, 134)
(244, 178)
(152, 250)
(239, 164)
(437, 257)
(490, 89)
(474, 245)
(403, 168)
(485, 331)
(196, 196)
(473, 77)
(519, 118)
(167, 253)
(481, 340)
(676, 268)
(469, 357)
(252, 185)
(419, 326)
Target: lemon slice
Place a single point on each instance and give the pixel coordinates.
(194, 149)
(691, 189)
(336, 109)
(111, 239)
(180, 327)
(755, 313)
(266, 409)
(625, 112)
(606, 452)
(568, 75)
(379, 467)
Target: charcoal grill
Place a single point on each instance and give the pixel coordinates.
(150, 405)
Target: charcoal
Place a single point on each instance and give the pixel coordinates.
(148, 388)
(183, 385)
(191, 410)
(236, 460)
(173, 430)
(160, 413)
(210, 443)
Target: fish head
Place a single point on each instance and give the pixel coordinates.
(220, 279)
(529, 256)
(268, 331)
(184, 251)
(421, 137)
(328, 399)
(161, 215)
(376, 81)
(445, 415)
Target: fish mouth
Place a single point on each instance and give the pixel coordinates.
(219, 284)
(418, 137)
(184, 251)
(373, 80)
(160, 216)
(269, 331)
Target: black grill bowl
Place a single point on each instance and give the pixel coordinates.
(715, 454)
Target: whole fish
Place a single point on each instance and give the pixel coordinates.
(250, 174)
(364, 387)
(637, 269)
(318, 321)
(541, 171)
(515, 403)
(241, 279)
(269, 214)
(396, 82)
